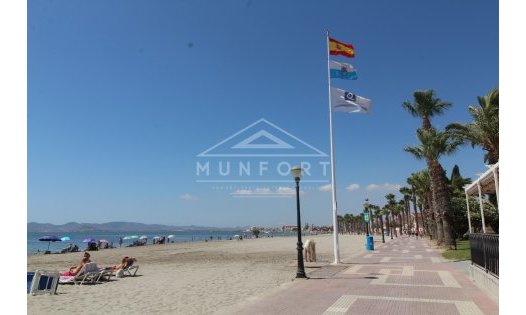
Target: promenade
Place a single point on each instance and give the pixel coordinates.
(402, 276)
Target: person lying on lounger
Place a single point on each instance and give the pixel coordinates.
(74, 270)
(125, 262)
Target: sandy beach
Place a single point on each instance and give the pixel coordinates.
(185, 278)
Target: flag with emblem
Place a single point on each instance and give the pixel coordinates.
(343, 101)
(339, 48)
(340, 70)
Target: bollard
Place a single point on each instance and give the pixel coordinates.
(369, 242)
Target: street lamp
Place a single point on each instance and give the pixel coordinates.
(366, 210)
(296, 174)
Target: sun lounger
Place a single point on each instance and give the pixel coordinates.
(128, 270)
(89, 273)
(42, 282)
(106, 274)
(130, 267)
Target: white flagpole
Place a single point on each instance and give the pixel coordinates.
(334, 207)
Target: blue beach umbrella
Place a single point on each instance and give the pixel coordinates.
(49, 239)
(89, 240)
(65, 239)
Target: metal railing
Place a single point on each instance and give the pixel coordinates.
(485, 252)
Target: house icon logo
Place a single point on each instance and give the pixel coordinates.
(256, 161)
(262, 139)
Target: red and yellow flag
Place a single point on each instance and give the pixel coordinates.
(339, 48)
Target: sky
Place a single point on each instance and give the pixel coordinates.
(124, 97)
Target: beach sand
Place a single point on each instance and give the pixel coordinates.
(186, 278)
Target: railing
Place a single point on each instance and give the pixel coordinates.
(485, 252)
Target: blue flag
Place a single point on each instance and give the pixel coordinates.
(340, 70)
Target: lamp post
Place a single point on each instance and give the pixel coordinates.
(366, 210)
(296, 173)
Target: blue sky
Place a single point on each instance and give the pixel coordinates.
(123, 95)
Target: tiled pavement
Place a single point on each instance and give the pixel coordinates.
(402, 276)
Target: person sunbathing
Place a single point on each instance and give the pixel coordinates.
(125, 262)
(74, 270)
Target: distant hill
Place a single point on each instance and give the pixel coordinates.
(115, 227)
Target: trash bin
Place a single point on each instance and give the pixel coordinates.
(369, 243)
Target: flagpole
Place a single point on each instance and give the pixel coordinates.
(333, 176)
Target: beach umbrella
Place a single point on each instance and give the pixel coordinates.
(49, 239)
(89, 240)
(103, 241)
(143, 237)
(65, 239)
(171, 236)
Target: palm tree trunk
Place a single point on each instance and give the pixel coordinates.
(430, 222)
(414, 207)
(442, 201)
(393, 226)
(408, 216)
(402, 214)
(382, 228)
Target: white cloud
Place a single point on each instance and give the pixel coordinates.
(265, 192)
(327, 187)
(188, 197)
(371, 187)
(286, 190)
(352, 187)
(396, 187)
(384, 187)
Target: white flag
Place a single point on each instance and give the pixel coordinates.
(343, 101)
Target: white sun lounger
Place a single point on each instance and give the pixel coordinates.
(89, 273)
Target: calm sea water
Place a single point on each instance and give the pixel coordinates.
(34, 245)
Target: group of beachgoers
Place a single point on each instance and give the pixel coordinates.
(91, 246)
(74, 270)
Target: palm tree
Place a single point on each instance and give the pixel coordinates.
(434, 144)
(347, 218)
(391, 202)
(339, 221)
(406, 193)
(413, 182)
(483, 131)
(425, 106)
(378, 214)
(385, 212)
(401, 212)
(421, 185)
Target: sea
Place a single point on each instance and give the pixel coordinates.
(35, 246)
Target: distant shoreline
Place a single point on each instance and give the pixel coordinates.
(122, 226)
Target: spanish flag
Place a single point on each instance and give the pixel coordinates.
(339, 48)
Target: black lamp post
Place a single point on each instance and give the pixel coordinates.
(296, 173)
(366, 210)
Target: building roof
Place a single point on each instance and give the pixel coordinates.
(486, 181)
